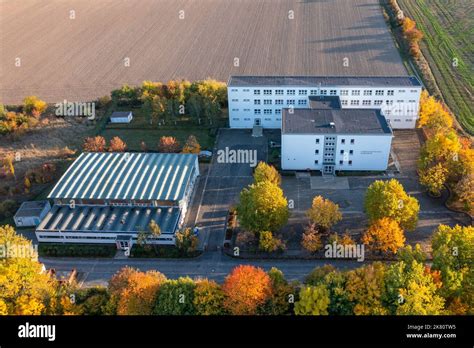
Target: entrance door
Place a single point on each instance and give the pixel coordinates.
(257, 122)
(328, 169)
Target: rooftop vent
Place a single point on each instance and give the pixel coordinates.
(332, 124)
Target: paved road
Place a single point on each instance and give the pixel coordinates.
(212, 264)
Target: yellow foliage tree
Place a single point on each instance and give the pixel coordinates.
(192, 145)
(384, 235)
(323, 212)
(433, 178)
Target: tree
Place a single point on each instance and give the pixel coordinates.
(311, 239)
(266, 172)
(453, 252)
(324, 213)
(246, 288)
(25, 288)
(262, 207)
(133, 292)
(194, 107)
(443, 147)
(433, 178)
(175, 297)
(8, 165)
(335, 281)
(94, 144)
(192, 145)
(433, 114)
(364, 288)
(283, 297)
(389, 199)
(34, 106)
(168, 145)
(186, 241)
(92, 301)
(208, 298)
(117, 145)
(314, 300)
(269, 243)
(411, 290)
(384, 235)
(464, 190)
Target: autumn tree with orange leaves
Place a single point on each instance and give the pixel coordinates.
(168, 145)
(117, 145)
(246, 288)
(133, 292)
(94, 144)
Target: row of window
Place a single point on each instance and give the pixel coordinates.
(340, 162)
(279, 102)
(329, 141)
(354, 92)
(249, 119)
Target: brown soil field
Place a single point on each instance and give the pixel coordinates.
(83, 58)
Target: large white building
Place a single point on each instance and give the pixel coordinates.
(329, 138)
(259, 100)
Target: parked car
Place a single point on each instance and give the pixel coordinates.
(205, 154)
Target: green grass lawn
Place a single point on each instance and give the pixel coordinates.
(151, 137)
(448, 30)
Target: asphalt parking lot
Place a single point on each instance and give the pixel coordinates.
(223, 181)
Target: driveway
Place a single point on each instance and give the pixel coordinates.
(223, 182)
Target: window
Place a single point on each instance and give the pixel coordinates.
(279, 92)
(401, 91)
(313, 92)
(278, 119)
(340, 162)
(316, 161)
(400, 101)
(414, 91)
(351, 152)
(246, 90)
(350, 162)
(355, 92)
(342, 152)
(408, 120)
(390, 92)
(317, 141)
(290, 92)
(246, 100)
(389, 102)
(316, 152)
(235, 100)
(246, 109)
(332, 92)
(290, 102)
(267, 111)
(279, 102)
(302, 102)
(256, 102)
(343, 141)
(302, 92)
(246, 119)
(343, 102)
(256, 91)
(235, 109)
(267, 102)
(367, 92)
(268, 119)
(378, 102)
(354, 102)
(352, 141)
(324, 92)
(267, 92)
(344, 92)
(236, 119)
(233, 90)
(379, 92)
(277, 111)
(366, 102)
(257, 111)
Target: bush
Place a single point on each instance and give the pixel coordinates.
(8, 209)
(76, 250)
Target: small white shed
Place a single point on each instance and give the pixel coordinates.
(121, 117)
(31, 213)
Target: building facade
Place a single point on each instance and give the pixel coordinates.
(328, 138)
(111, 197)
(260, 100)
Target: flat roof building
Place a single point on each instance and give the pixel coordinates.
(30, 213)
(111, 197)
(330, 139)
(260, 100)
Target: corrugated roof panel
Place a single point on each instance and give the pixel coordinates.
(147, 176)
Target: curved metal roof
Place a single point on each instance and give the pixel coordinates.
(125, 176)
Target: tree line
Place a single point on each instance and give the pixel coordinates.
(409, 286)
